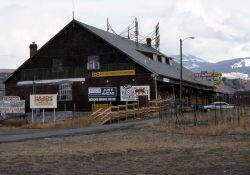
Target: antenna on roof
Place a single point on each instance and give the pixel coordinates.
(110, 28)
(157, 37)
(136, 31)
(128, 33)
(73, 12)
(107, 24)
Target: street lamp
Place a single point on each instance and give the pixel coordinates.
(181, 41)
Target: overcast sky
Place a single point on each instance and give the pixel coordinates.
(221, 27)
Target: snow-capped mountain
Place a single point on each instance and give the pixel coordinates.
(232, 67)
(242, 63)
(192, 62)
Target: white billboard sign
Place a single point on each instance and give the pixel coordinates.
(43, 101)
(131, 93)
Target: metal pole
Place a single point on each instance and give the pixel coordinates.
(32, 116)
(180, 76)
(181, 41)
(43, 115)
(54, 114)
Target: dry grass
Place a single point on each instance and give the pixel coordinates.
(221, 128)
(14, 122)
(155, 148)
(226, 121)
(76, 122)
(152, 137)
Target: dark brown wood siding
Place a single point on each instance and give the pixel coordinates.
(73, 45)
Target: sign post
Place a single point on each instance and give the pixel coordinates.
(32, 116)
(54, 114)
(43, 115)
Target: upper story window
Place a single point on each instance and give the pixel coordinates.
(168, 60)
(93, 63)
(159, 58)
(57, 65)
(65, 92)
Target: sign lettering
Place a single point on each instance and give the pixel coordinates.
(131, 93)
(43, 101)
(113, 73)
(102, 93)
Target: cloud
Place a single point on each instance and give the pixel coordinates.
(221, 27)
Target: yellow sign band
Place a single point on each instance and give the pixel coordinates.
(113, 73)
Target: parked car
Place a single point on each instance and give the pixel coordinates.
(217, 105)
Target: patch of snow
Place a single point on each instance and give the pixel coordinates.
(235, 75)
(194, 58)
(192, 66)
(241, 63)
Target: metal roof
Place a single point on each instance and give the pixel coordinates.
(130, 48)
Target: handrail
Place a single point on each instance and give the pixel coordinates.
(128, 110)
(102, 112)
(96, 112)
(105, 115)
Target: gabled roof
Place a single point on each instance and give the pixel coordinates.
(130, 48)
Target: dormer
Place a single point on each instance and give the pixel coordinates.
(156, 56)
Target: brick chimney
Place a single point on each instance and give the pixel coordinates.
(33, 49)
(148, 40)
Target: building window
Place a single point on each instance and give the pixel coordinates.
(159, 58)
(167, 61)
(65, 92)
(57, 65)
(93, 63)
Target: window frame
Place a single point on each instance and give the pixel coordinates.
(57, 65)
(93, 62)
(65, 90)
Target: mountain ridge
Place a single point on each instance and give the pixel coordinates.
(196, 64)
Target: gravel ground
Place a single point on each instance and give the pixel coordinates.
(151, 149)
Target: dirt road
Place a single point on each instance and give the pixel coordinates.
(19, 134)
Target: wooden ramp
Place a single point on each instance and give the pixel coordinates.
(125, 112)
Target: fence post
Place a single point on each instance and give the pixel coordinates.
(195, 117)
(74, 110)
(176, 114)
(238, 112)
(215, 117)
(54, 114)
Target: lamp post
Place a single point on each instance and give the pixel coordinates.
(181, 41)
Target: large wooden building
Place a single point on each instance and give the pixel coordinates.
(80, 60)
